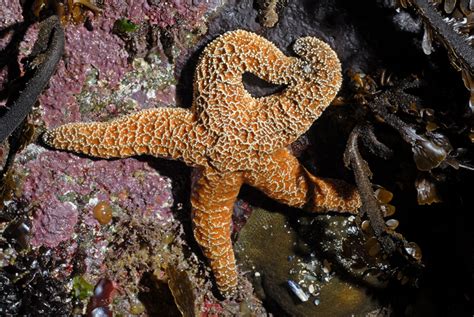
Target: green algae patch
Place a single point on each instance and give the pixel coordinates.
(81, 288)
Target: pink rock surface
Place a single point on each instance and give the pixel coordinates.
(60, 186)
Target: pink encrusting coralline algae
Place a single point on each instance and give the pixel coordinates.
(62, 188)
(85, 50)
(98, 49)
(10, 13)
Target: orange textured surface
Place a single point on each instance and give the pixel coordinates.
(232, 137)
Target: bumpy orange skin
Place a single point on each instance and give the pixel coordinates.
(232, 137)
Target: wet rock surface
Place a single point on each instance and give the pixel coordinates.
(70, 223)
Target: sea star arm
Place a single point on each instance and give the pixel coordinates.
(221, 101)
(313, 80)
(212, 199)
(163, 132)
(283, 178)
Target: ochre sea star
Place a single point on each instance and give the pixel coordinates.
(232, 137)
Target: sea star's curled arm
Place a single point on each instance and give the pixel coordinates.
(313, 80)
(264, 124)
(163, 132)
(281, 177)
(212, 199)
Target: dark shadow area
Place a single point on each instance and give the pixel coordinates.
(180, 176)
(157, 297)
(184, 88)
(258, 87)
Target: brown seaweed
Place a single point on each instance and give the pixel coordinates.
(370, 205)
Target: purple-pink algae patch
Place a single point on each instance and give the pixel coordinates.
(98, 49)
(85, 50)
(10, 13)
(53, 222)
(161, 13)
(63, 189)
